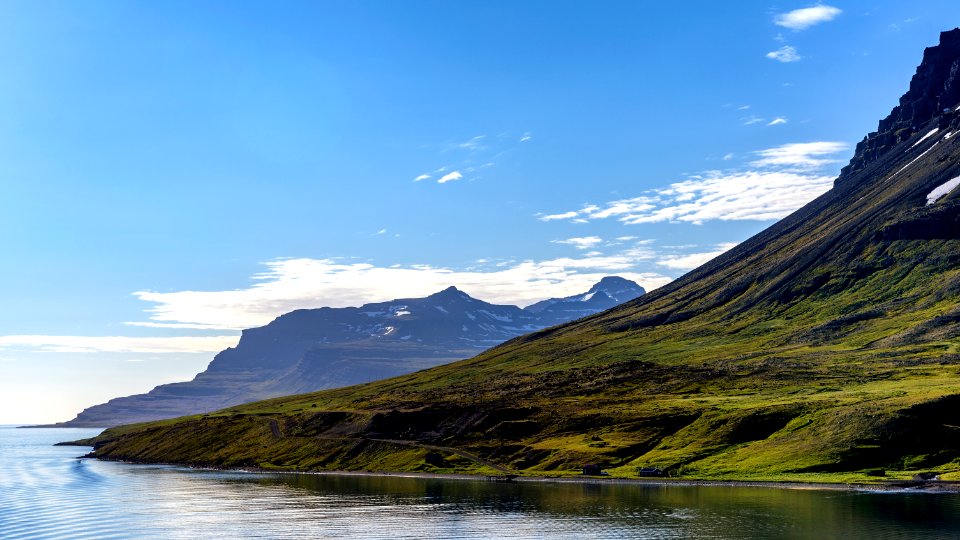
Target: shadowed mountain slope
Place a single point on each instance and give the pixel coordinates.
(314, 349)
(824, 347)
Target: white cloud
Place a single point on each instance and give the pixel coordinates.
(743, 107)
(809, 155)
(583, 242)
(693, 260)
(785, 54)
(475, 143)
(450, 177)
(750, 195)
(619, 208)
(728, 156)
(308, 283)
(750, 120)
(118, 344)
(800, 19)
(777, 121)
(180, 326)
(553, 217)
(382, 231)
(784, 179)
(464, 159)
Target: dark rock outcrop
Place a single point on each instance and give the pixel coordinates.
(934, 93)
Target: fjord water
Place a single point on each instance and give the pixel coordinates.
(46, 492)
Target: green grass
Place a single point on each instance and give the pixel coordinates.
(816, 351)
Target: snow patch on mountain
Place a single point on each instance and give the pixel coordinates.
(914, 160)
(942, 190)
(501, 318)
(929, 134)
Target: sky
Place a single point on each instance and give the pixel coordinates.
(174, 172)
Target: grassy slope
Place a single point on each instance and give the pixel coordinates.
(822, 349)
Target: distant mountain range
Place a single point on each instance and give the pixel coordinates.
(314, 349)
(826, 347)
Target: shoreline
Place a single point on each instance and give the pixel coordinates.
(893, 486)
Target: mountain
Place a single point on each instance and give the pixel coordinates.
(609, 292)
(825, 348)
(313, 349)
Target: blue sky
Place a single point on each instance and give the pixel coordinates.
(172, 172)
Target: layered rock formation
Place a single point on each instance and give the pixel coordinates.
(314, 349)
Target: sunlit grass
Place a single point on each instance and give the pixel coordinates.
(847, 376)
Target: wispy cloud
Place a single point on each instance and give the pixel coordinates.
(563, 215)
(475, 143)
(693, 260)
(582, 242)
(801, 19)
(308, 283)
(450, 177)
(117, 344)
(785, 54)
(728, 156)
(908, 20)
(751, 195)
(811, 155)
(777, 121)
(465, 160)
(177, 326)
(783, 179)
(752, 119)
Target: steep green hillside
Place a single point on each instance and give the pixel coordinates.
(825, 348)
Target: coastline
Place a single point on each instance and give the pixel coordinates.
(892, 486)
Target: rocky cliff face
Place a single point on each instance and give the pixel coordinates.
(828, 343)
(934, 94)
(315, 349)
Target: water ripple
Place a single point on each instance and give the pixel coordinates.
(46, 492)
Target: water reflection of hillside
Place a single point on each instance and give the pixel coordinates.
(694, 511)
(45, 492)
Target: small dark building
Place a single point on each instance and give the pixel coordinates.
(651, 471)
(591, 469)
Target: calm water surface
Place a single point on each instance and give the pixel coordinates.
(45, 492)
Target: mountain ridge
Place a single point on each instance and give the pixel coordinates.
(826, 347)
(312, 349)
